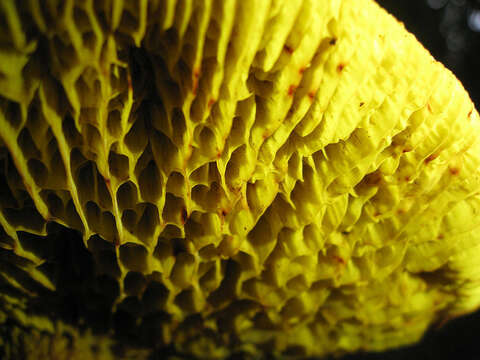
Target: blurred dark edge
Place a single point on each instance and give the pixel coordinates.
(445, 31)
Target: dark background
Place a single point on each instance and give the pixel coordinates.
(450, 30)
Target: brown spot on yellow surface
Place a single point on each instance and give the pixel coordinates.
(196, 75)
(431, 158)
(292, 89)
(288, 49)
(454, 171)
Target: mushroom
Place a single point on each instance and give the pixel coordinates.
(222, 177)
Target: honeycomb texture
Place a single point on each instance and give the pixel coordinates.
(249, 177)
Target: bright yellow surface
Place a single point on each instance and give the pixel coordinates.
(302, 176)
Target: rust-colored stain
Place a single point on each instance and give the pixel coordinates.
(431, 158)
(292, 89)
(129, 83)
(196, 75)
(454, 171)
(288, 49)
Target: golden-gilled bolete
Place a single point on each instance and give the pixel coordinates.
(286, 177)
